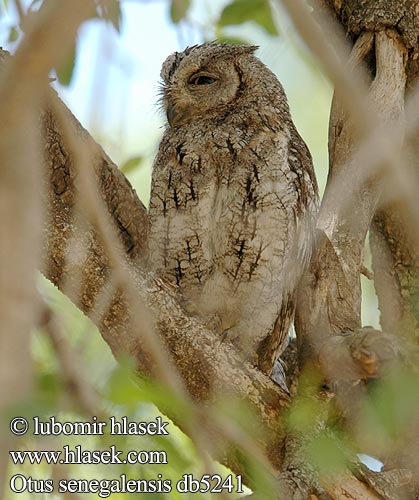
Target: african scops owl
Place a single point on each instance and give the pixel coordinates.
(233, 197)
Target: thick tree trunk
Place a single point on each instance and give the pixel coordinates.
(394, 240)
(394, 227)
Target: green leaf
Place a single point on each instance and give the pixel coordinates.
(395, 402)
(131, 164)
(116, 18)
(303, 414)
(125, 388)
(240, 11)
(178, 9)
(13, 34)
(120, 388)
(65, 69)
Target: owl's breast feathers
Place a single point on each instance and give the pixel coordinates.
(225, 211)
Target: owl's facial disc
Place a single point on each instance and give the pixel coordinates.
(200, 91)
(205, 81)
(179, 111)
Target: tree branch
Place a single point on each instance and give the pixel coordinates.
(73, 250)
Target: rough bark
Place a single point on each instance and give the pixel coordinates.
(396, 269)
(394, 229)
(359, 16)
(330, 299)
(393, 232)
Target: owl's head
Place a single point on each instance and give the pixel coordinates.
(205, 80)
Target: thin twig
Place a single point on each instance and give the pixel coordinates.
(76, 381)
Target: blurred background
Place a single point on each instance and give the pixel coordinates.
(110, 83)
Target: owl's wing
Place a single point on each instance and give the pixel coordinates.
(300, 247)
(266, 231)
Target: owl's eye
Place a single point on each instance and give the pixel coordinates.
(201, 80)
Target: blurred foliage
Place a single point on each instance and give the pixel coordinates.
(107, 10)
(387, 411)
(179, 9)
(111, 12)
(415, 305)
(121, 394)
(13, 34)
(240, 11)
(327, 453)
(390, 410)
(225, 38)
(131, 164)
(235, 12)
(66, 69)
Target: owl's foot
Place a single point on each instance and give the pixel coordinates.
(228, 336)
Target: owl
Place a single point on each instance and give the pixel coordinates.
(233, 197)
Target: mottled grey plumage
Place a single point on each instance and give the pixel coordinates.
(233, 197)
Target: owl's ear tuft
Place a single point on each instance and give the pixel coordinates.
(173, 61)
(249, 49)
(243, 49)
(169, 66)
(189, 49)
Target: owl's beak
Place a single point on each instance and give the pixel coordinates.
(174, 116)
(170, 113)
